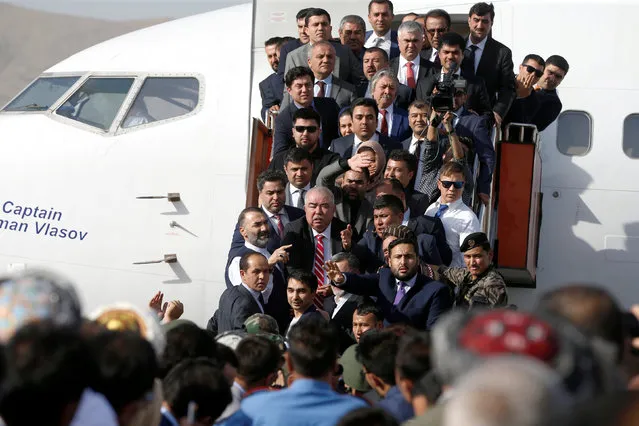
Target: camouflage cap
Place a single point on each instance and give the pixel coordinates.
(257, 323)
(275, 338)
(353, 373)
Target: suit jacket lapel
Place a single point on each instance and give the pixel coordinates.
(250, 296)
(335, 88)
(336, 239)
(487, 57)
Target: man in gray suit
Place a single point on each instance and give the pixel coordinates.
(299, 169)
(321, 60)
(347, 66)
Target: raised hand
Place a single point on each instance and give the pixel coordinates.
(347, 237)
(156, 304)
(279, 255)
(173, 310)
(333, 273)
(358, 162)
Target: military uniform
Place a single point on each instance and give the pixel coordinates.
(488, 289)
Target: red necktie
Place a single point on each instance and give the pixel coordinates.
(318, 269)
(320, 92)
(384, 127)
(410, 75)
(280, 226)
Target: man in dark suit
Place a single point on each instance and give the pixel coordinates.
(241, 301)
(301, 291)
(365, 113)
(549, 103)
(299, 85)
(450, 55)
(306, 132)
(410, 66)
(294, 44)
(271, 186)
(380, 16)
(352, 29)
(351, 204)
(436, 24)
(318, 28)
(391, 121)
(402, 165)
(299, 169)
(254, 228)
(376, 59)
(272, 87)
(487, 58)
(322, 62)
(403, 295)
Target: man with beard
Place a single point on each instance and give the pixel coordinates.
(403, 294)
(272, 87)
(351, 204)
(255, 229)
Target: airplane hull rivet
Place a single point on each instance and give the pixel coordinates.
(555, 194)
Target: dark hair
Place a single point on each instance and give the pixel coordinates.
(378, 50)
(376, 351)
(450, 168)
(368, 416)
(127, 366)
(313, 344)
(198, 380)
(406, 157)
(438, 13)
(258, 357)
(350, 258)
(242, 217)
(307, 114)
(305, 277)
(270, 176)
(316, 11)
(244, 260)
(345, 111)
(481, 9)
(399, 241)
(395, 184)
(226, 355)
(273, 41)
(47, 366)
(453, 39)
(285, 39)
(302, 13)
(184, 341)
(413, 357)
(367, 307)
(535, 58)
(428, 386)
(365, 102)
(388, 2)
(389, 201)
(419, 104)
(558, 61)
(297, 155)
(298, 72)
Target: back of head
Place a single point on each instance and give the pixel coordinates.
(186, 340)
(376, 351)
(507, 391)
(313, 346)
(258, 358)
(368, 416)
(48, 368)
(197, 380)
(127, 366)
(413, 356)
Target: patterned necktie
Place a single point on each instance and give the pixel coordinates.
(401, 292)
(440, 210)
(318, 270)
(384, 127)
(468, 64)
(320, 92)
(280, 225)
(410, 75)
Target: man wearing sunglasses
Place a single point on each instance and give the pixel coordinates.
(458, 219)
(526, 104)
(437, 23)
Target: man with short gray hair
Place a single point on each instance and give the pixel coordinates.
(391, 121)
(409, 66)
(351, 33)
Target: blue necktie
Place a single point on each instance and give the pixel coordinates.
(440, 211)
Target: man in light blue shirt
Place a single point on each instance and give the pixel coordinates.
(310, 400)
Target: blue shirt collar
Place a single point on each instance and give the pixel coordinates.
(310, 384)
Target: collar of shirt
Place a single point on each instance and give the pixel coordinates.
(433, 55)
(237, 386)
(270, 215)
(260, 250)
(169, 416)
(451, 206)
(296, 190)
(457, 74)
(410, 283)
(328, 83)
(406, 217)
(357, 141)
(308, 385)
(373, 37)
(403, 61)
(480, 45)
(256, 295)
(301, 106)
(413, 143)
(340, 302)
(326, 234)
(389, 118)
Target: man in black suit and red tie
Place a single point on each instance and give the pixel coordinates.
(487, 58)
(410, 66)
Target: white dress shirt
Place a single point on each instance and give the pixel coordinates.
(271, 217)
(433, 55)
(339, 302)
(328, 252)
(459, 221)
(295, 194)
(406, 217)
(384, 42)
(327, 87)
(401, 72)
(389, 119)
(236, 279)
(420, 164)
(357, 141)
(480, 50)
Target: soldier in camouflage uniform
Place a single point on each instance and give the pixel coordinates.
(479, 284)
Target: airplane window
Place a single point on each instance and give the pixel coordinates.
(574, 133)
(631, 136)
(41, 94)
(161, 98)
(97, 101)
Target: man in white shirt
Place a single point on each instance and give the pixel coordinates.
(380, 16)
(299, 170)
(391, 121)
(410, 66)
(458, 219)
(416, 144)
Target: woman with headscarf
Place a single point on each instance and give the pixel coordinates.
(375, 152)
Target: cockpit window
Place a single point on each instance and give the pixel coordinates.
(41, 94)
(97, 101)
(162, 98)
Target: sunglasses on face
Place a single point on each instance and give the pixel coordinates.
(448, 183)
(310, 129)
(532, 69)
(434, 31)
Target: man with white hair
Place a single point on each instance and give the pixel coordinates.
(410, 66)
(391, 120)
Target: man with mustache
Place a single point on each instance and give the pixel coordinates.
(391, 121)
(376, 59)
(272, 87)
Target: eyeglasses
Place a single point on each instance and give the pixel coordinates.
(434, 31)
(531, 69)
(448, 183)
(310, 129)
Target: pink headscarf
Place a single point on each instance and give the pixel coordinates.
(381, 162)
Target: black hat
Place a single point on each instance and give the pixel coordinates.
(476, 239)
